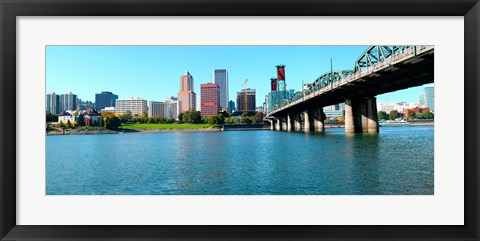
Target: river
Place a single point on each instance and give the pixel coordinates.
(398, 160)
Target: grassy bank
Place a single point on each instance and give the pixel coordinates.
(164, 126)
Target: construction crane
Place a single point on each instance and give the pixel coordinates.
(245, 83)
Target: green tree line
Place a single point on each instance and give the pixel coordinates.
(392, 115)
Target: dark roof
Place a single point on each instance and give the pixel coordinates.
(64, 114)
(90, 111)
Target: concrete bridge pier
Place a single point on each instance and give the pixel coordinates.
(308, 120)
(278, 123)
(318, 120)
(283, 123)
(290, 122)
(349, 117)
(372, 115)
(272, 127)
(361, 115)
(297, 121)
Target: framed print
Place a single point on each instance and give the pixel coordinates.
(227, 120)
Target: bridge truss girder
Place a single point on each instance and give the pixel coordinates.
(375, 54)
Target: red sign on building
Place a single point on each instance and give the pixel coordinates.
(274, 85)
(280, 72)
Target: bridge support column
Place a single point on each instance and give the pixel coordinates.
(272, 127)
(349, 117)
(318, 120)
(297, 120)
(278, 124)
(290, 122)
(308, 120)
(372, 115)
(361, 115)
(283, 125)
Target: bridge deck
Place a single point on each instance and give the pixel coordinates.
(404, 70)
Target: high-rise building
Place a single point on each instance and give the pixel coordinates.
(220, 77)
(421, 99)
(336, 107)
(186, 95)
(430, 98)
(67, 102)
(276, 97)
(246, 100)
(136, 106)
(52, 103)
(231, 106)
(163, 109)
(105, 99)
(209, 102)
(83, 105)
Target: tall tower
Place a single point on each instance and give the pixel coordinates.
(281, 77)
(105, 99)
(53, 103)
(186, 95)
(281, 85)
(220, 77)
(209, 97)
(430, 98)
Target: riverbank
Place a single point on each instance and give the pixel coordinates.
(208, 129)
(135, 128)
(80, 131)
(245, 127)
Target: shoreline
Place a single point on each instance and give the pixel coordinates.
(126, 131)
(133, 131)
(57, 132)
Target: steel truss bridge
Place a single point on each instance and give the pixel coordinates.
(380, 69)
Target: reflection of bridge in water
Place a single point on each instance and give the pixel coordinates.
(379, 70)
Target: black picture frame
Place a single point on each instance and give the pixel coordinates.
(10, 9)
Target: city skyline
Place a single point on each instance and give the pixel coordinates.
(146, 72)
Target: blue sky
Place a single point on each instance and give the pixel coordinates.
(153, 72)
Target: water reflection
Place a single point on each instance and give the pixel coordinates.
(398, 160)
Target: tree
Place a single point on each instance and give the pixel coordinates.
(258, 118)
(221, 118)
(69, 124)
(428, 115)
(196, 117)
(393, 114)
(411, 115)
(341, 119)
(144, 117)
(382, 115)
(112, 122)
(61, 125)
(180, 117)
(81, 120)
(51, 118)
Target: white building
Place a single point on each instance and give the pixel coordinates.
(400, 106)
(108, 109)
(168, 109)
(64, 117)
(137, 106)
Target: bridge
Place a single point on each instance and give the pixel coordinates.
(379, 70)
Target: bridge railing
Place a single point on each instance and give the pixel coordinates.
(400, 56)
